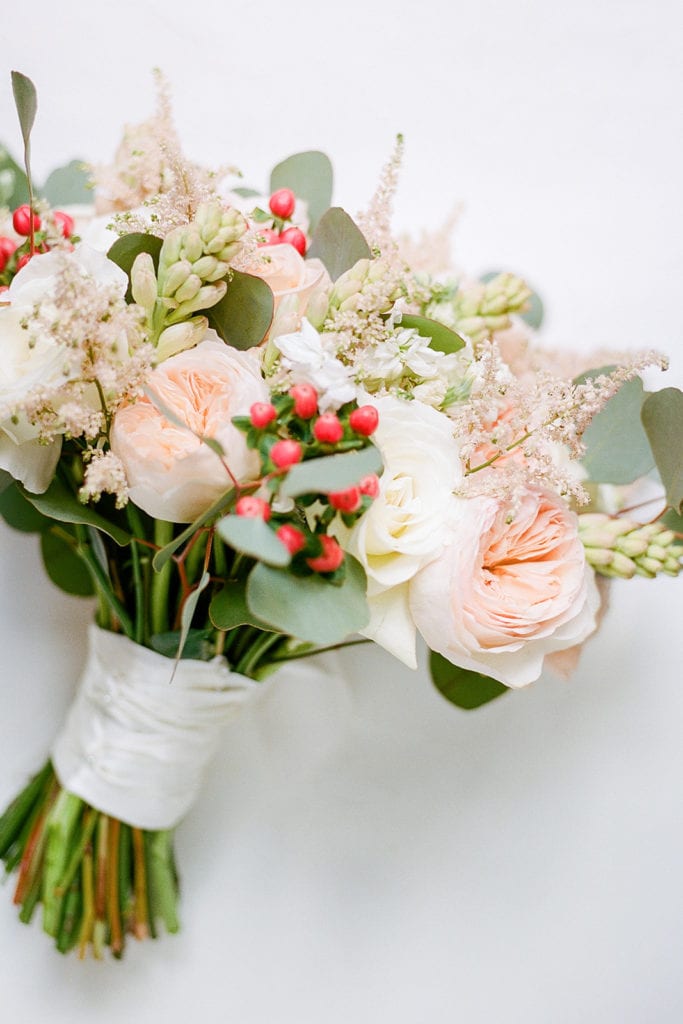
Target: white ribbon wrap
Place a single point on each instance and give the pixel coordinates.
(135, 744)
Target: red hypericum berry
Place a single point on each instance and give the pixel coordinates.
(282, 203)
(23, 260)
(261, 414)
(7, 247)
(345, 501)
(331, 557)
(328, 429)
(65, 222)
(254, 508)
(285, 453)
(292, 538)
(4, 288)
(295, 237)
(21, 220)
(305, 400)
(269, 236)
(369, 485)
(364, 420)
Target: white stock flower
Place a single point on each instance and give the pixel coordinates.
(308, 361)
(404, 528)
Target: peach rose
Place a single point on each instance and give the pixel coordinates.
(508, 588)
(171, 473)
(292, 280)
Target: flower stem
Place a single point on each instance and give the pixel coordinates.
(161, 581)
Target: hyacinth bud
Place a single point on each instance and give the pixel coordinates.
(173, 277)
(188, 289)
(622, 547)
(208, 220)
(144, 282)
(170, 250)
(209, 269)
(351, 284)
(180, 337)
(193, 246)
(221, 230)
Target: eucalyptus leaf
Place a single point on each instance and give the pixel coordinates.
(14, 184)
(673, 521)
(309, 607)
(197, 647)
(166, 553)
(186, 615)
(64, 567)
(26, 102)
(465, 689)
(310, 176)
(338, 242)
(441, 338)
(246, 193)
(6, 480)
(68, 185)
(617, 447)
(245, 312)
(58, 502)
(126, 249)
(662, 416)
(252, 536)
(229, 609)
(19, 513)
(331, 473)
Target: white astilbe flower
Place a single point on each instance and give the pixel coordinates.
(104, 474)
(306, 357)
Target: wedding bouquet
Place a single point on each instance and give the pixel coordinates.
(255, 429)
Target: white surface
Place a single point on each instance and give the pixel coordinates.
(363, 851)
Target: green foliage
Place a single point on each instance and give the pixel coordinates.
(68, 185)
(26, 102)
(465, 689)
(252, 536)
(229, 608)
(309, 607)
(338, 242)
(19, 513)
(64, 567)
(331, 473)
(617, 448)
(673, 521)
(126, 249)
(441, 338)
(186, 615)
(310, 176)
(166, 553)
(59, 503)
(244, 314)
(662, 416)
(198, 646)
(13, 184)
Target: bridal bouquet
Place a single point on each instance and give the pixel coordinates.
(254, 429)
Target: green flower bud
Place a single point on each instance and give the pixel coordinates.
(188, 289)
(205, 298)
(622, 547)
(180, 337)
(174, 277)
(193, 246)
(144, 282)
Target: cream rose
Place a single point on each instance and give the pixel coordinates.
(29, 363)
(172, 474)
(404, 529)
(507, 588)
(293, 282)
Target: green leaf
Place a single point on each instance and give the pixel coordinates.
(466, 689)
(198, 646)
(26, 102)
(13, 184)
(253, 537)
(617, 448)
(59, 503)
(441, 338)
(662, 416)
(6, 480)
(309, 607)
(673, 521)
(338, 242)
(189, 606)
(126, 249)
(229, 608)
(245, 312)
(68, 185)
(167, 552)
(331, 472)
(246, 193)
(309, 175)
(19, 513)
(64, 567)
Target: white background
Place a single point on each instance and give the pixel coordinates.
(362, 850)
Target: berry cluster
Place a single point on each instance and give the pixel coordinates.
(27, 224)
(281, 205)
(288, 430)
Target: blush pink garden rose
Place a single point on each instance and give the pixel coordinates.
(294, 282)
(504, 594)
(171, 473)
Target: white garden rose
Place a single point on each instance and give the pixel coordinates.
(510, 586)
(172, 474)
(404, 528)
(292, 280)
(30, 362)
